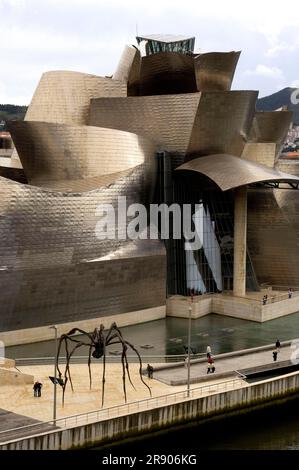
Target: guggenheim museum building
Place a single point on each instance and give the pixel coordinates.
(164, 128)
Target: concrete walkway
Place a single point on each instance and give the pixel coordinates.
(223, 365)
(9, 420)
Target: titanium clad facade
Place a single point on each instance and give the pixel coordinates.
(150, 116)
(222, 123)
(63, 97)
(167, 73)
(88, 141)
(57, 152)
(271, 126)
(215, 70)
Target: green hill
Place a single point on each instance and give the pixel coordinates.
(278, 100)
(11, 111)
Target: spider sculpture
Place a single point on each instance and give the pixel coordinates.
(97, 343)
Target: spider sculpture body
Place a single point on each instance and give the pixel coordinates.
(97, 343)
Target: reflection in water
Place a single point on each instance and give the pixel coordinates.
(169, 336)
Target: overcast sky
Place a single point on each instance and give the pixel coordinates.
(89, 35)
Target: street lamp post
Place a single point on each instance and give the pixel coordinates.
(189, 346)
(54, 327)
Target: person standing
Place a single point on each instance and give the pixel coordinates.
(274, 355)
(39, 388)
(35, 387)
(290, 293)
(150, 371)
(277, 345)
(209, 351)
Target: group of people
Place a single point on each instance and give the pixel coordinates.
(265, 297)
(37, 389)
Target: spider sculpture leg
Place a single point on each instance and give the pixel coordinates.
(137, 353)
(103, 376)
(89, 361)
(140, 365)
(115, 333)
(124, 357)
(64, 340)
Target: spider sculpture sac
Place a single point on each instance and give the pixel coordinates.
(97, 343)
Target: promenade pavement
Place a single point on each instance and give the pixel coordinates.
(226, 364)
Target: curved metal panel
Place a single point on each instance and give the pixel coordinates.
(263, 153)
(222, 123)
(215, 70)
(128, 69)
(64, 97)
(56, 152)
(272, 236)
(271, 126)
(167, 73)
(229, 172)
(48, 240)
(167, 119)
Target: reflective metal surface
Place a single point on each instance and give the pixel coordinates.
(215, 70)
(86, 140)
(222, 123)
(271, 126)
(229, 172)
(167, 73)
(64, 96)
(263, 153)
(57, 152)
(150, 116)
(128, 69)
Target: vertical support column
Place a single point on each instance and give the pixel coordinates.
(240, 241)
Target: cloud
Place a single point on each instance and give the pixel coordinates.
(266, 71)
(89, 35)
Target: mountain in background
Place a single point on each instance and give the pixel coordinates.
(278, 100)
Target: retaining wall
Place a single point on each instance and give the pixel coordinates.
(158, 418)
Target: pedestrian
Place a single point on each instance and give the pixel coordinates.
(35, 387)
(186, 362)
(39, 388)
(208, 368)
(277, 345)
(209, 351)
(290, 293)
(150, 371)
(211, 364)
(274, 353)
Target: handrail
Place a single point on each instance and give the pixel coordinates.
(113, 357)
(106, 413)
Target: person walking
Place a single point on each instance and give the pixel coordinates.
(274, 353)
(211, 364)
(35, 387)
(290, 293)
(150, 371)
(209, 351)
(277, 345)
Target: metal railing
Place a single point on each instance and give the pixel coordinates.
(119, 410)
(110, 358)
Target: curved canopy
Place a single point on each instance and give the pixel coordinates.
(229, 172)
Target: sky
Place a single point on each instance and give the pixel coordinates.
(88, 36)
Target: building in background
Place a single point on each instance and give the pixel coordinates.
(166, 128)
